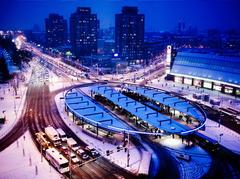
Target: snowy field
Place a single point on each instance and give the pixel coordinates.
(12, 104)
(229, 139)
(22, 160)
(200, 160)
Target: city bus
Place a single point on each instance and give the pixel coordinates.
(53, 135)
(57, 160)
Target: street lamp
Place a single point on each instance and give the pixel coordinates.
(220, 137)
(128, 154)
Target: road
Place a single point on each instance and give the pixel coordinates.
(40, 111)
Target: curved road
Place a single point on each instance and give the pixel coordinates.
(40, 111)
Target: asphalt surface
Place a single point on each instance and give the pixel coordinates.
(40, 111)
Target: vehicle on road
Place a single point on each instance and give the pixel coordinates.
(41, 139)
(183, 156)
(62, 134)
(83, 154)
(72, 144)
(74, 158)
(57, 160)
(93, 152)
(64, 150)
(53, 135)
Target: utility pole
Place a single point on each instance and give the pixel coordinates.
(128, 155)
(70, 163)
(41, 153)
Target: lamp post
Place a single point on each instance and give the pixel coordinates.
(128, 155)
(220, 137)
(70, 162)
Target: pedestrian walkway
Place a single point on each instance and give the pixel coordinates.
(23, 160)
(186, 90)
(225, 136)
(12, 101)
(118, 158)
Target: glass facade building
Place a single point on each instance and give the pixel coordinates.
(211, 71)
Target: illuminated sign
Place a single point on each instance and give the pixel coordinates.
(168, 59)
(169, 51)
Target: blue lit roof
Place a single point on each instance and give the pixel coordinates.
(84, 107)
(169, 100)
(207, 66)
(141, 111)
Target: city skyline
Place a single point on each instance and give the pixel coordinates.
(159, 15)
(115, 89)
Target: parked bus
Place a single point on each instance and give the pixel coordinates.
(53, 135)
(57, 160)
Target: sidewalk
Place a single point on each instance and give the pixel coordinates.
(227, 100)
(11, 104)
(197, 166)
(119, 158)
(229, 138)
(22, 160)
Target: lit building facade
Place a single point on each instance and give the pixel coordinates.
(56, 30)
(129, 35)
(210, 71)
(83, 32)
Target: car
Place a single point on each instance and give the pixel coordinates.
(72, 144)
(64, 150)
(183, 156)
(74, 158)
(83, 154)
(93, 152)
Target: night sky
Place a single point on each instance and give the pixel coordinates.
(161, 15)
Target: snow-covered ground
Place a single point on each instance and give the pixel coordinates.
(119, 158)
(229, 138)
(56, 82)
(22, 160)
(227, 100)
(11, 104)
(199, 163)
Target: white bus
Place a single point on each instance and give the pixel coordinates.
(62, 134)
(53, 135)
(57, 160)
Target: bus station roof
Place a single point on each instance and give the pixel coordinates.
(84, 107)
(141, 111)
(168, 100)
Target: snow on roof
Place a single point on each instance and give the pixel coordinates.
(139, 110)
